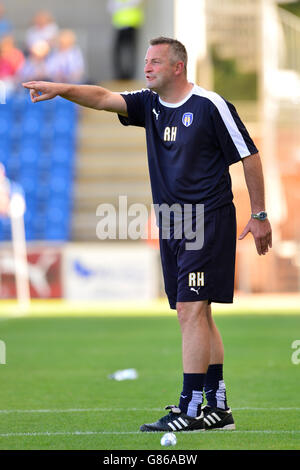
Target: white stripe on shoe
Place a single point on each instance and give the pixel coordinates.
(177, 424)
(207, 422)
(216, 416)
(211, 419)
(172, 427)
(185, 424)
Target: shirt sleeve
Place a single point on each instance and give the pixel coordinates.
(231, 133)
(136, 108)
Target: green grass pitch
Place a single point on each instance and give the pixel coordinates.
(55, 392)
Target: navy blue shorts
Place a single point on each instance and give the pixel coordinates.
(206, 273)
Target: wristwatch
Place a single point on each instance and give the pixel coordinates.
(262, 215)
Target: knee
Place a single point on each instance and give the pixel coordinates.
(191, 311)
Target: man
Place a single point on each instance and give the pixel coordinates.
(127, 19)
(192, 137)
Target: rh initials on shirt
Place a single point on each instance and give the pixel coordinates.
(170, 134)
(196, 279)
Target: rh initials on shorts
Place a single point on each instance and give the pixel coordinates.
(196, 279)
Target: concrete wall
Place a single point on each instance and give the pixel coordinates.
(91, 21)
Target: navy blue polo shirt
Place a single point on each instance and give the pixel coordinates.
(190, 145)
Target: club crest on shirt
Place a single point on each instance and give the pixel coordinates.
(187, 119)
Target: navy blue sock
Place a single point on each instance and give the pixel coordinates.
(192, 394)
(214, 387)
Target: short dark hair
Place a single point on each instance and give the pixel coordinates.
(177, 48)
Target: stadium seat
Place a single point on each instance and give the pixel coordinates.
(38, 143)
(43, 191)
(32, 126)
(6, 228)
(39, 224)
(60, 184)
(62, 156)
(28, 182)
(6, 123)
(57, 226)
(7, 108)
(5, 152)
(13, 166)
(29, 156)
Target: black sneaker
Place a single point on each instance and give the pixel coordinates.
(175, 421)
(214, 418)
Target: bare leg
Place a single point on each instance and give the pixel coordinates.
(216, 343)
(195, 330)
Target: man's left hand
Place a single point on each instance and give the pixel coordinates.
(262, 234)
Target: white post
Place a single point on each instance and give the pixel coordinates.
(270, 53)
(17, 209)
(190, 29)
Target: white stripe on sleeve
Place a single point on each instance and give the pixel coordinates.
(228, 120)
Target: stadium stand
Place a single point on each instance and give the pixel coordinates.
(38, 150)
(111, 161)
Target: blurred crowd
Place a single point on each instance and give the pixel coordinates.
(47, 53)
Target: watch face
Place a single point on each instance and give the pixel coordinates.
(260, 216)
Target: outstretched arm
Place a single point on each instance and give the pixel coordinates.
(261, 230)
(90, 96)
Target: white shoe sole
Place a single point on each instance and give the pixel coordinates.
(228, 427)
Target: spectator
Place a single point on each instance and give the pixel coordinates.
(44, 29)
(11, 61)
(4, 192)
(36, 65)
(66, 63)
(6, 68)
(127, 18)
(10, 54)
(5, 25)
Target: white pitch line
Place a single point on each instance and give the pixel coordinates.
(106, 410)
(79, 410)
(265, 409)
(89, 433)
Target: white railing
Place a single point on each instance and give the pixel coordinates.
(232, 28)
(291, 29)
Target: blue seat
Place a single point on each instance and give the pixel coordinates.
(6, 228)
(44, 162)
(6, 124)
(33, 109)
(29, 217)
(58, 222)
(4, 153)
(43, 192)
(21, 98)
(47, 134)
(38, 150)
(28, 181)
(29, 156)
(39, 225)
(57, 233)
(31, 204)
(6, 109)
(1, 230)
(60, 185)
(13, 164)
(62, 156)
(29, 234)
(16, 132)
(58, 212)
(31, 127)
(64, 125)
(64, 142)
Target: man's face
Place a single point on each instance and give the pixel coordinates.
(159, 71)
